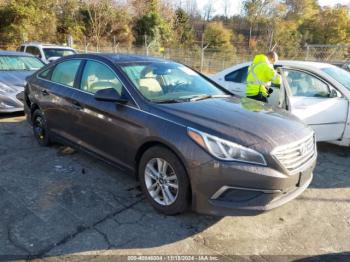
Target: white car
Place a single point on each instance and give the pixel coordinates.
(317, 93)
(46, 52)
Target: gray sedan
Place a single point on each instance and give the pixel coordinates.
(14, 68)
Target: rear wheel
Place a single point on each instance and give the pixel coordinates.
(164, 181)
(40, 130)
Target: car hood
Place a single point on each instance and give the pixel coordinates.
(15, 79)
(242, 120)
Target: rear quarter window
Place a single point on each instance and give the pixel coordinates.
(46, 74)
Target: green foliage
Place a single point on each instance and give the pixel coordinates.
(216, 36)
(69, 20)
(152, 27)
(286, 24)
(184, 34)
(330, 26)
(301, 10)
(27, 19)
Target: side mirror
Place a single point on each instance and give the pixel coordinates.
(109, 95)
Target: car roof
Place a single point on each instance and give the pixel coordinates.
(296, 63)
(122, 58)
(306, 65)
(13, 53)
(318, 65)
(47, 45)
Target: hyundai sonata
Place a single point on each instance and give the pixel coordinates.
(191, 143)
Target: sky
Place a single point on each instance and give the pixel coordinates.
(236, 4)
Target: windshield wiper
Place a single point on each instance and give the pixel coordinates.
(203, 97)
(170, 101)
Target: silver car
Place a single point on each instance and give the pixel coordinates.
(14, 68)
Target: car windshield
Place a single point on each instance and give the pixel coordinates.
(340, 75)
(57, 52)
(170, 82)
(18, 63)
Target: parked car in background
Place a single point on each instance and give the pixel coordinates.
(191, 143)
(317, 93)
(46, 52)
(14, 68)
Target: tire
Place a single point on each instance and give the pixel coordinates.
(162, 185)
(40, 130)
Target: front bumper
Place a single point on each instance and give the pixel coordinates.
(240, 189)
(11, 103)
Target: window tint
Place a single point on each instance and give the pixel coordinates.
(46, 74)
(98, 76)
(303, 84)
(33, 50)
(238, 76)
(65, 72)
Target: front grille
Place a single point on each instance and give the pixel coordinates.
(295, 155)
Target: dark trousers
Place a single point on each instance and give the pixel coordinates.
(259, 97)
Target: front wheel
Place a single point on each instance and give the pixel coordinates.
(164, 181)
(40, 129)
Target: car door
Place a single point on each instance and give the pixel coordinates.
(235, 81)
(55, 96)
(317, 103)
(105, 128)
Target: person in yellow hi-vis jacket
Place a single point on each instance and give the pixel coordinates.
(260, 75)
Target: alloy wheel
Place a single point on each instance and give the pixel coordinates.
(161, 181)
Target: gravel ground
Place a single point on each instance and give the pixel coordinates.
(63, 205)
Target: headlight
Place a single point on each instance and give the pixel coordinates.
(5, 89)
(3, 105)
(226, 150)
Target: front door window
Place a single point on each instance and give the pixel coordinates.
(303, 84)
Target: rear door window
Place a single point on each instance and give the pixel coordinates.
(65, 72)
(238, 76)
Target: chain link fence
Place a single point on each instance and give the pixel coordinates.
(335, 54)
(209, 60)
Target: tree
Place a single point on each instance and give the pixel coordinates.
(208, 10)
(301, 10)
(330, 26)
(100, 18)
(69, 20)
(288, 39)
(182, 28)
(255, 11)
(152, 28)
(23, 20)
(227, 4)
(218, 37)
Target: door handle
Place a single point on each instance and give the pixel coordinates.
(77, 105)
(44, 92)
